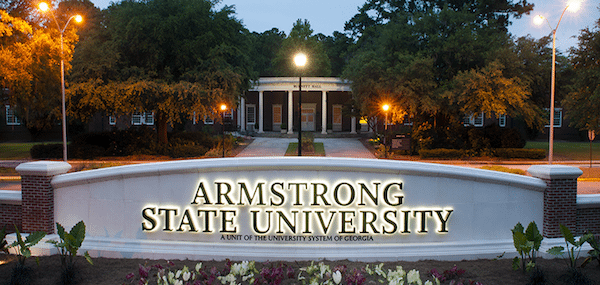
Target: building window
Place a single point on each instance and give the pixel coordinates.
(112, 120)
(228, 114)
(476, 121)
(11, 118)
(502, 120)
(149, 118)
(142, 118)
(250, 114)
(557, 117)
(208, 120)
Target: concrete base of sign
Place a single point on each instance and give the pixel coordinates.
(156, 250)
(298, 209)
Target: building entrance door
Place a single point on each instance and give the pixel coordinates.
(308, 118)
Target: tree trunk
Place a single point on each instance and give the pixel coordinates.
(161, 128)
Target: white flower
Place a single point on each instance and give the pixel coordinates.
(413, 277)
(428, 282)
(186, 276)
(337, 277)
(198, 266)
(178, 274)
(171, 277)
(323, 268)
(379, 270)
(178, 282)
(249, 276)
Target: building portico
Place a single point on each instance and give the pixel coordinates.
(272, 104)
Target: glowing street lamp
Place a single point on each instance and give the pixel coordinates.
(300, 61)
(223, 109)
(385, 109)
(573, 6)
(44, 7)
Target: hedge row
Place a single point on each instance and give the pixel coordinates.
(130, 142)
(442, 153)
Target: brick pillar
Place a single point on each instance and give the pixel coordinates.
(560, 197)
(37, 194)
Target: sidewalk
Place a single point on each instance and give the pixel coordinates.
(334, 147)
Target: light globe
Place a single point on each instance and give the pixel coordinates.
(574, 5)
(538, 20)
(300, 59)
(43, 6)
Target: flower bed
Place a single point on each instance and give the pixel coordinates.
(114, 271)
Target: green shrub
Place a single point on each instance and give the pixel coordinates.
(504, 169)
(47, 151)
(511, 138)
(478, 139)
(442, 153)
(520, 153)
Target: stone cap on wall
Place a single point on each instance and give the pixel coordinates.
(43, 168)
(554, 171)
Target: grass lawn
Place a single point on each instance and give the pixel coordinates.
(570, 150)
(15, 150)
(293, 150)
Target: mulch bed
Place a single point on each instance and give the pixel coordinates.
(114, 271)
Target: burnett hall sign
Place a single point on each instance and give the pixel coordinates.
(293, 208)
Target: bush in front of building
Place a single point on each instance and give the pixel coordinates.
(520, 153)
(47, 151)
(454, 135)
(442, 153)
(134, 141)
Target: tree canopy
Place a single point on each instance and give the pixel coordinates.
(301, 39)
(583, 102)
(176, 58)
(30, 54)
(438, 58)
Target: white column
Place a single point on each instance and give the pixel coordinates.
(353, 127)
(261, 110)
(324, 112)
(290, 112)
(242, 114)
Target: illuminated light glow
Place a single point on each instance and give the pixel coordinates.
(78, 18)
(539, 20)
(574, 5)
(385, 107)
(43, 6)
(345, 207)
(300, 59)
(223, 107)
(278, 193)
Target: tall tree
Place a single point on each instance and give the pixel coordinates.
(30, 61)
(583, 102)
(173, 57)
(301, 39)
(422, 53)
(264, 49)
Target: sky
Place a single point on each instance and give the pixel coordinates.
(327, 16)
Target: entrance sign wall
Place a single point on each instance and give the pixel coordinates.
(297, 208)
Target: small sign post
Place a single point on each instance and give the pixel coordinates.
(591, 136)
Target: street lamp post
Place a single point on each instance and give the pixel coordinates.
(572, 6)
(44, 7)
(300, 61)
(223, 109)
(385, 108)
